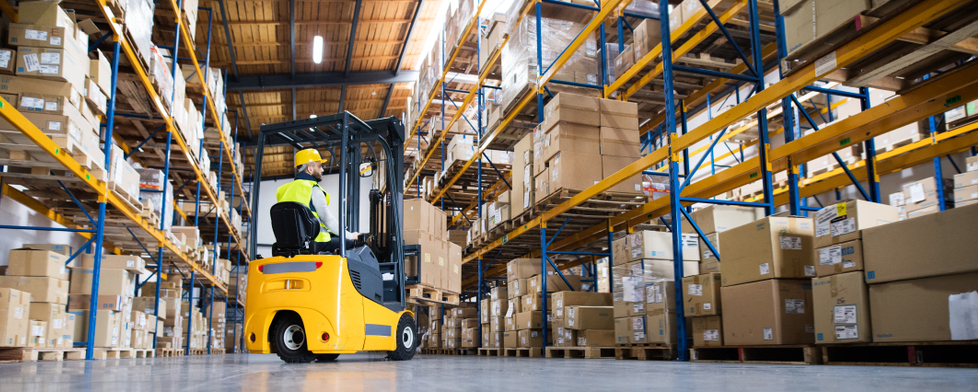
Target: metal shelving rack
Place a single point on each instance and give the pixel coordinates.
(666, 148)
(121, 217)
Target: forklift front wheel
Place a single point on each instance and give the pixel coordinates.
(407, 339)
(289, 340)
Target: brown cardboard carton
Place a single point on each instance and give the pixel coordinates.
(619, 121)
(647, 35)
(705, 252)
(660, 327)
(701, 295)
(933, 209)
(416, 215)
(707, 331)
(555, 283)
(522, 268)
(454, 269)
(518, 287)
(836, 259)
(43, 13)
(773, 311)
(7, 62)
(55, 316)
(63, 249)
(570, 298)
(965, 194)
(55, 64)
(15, 308)
(596, 338)
(24, 34)
(622, 330)
(541, 187)
(28, 262)
(650, 245)
(530, 338)
(528, 320)
(37, 331)
(619, 251)
(933, 245)
(922, 194)
(148, 305)
(841, 306)
(712, 265)
(717, 218)
(134, 264)
(534, 302)
(929, 309)
(579, 172)
(111, 282)
(773, 247)
(40, 288)
(637, 332)
(511, 339)
(570, 108)
(589, 317)
(497, 293)
(78, 302)
(100, 70)
(842, 222)
(570, 139)
(611, 164)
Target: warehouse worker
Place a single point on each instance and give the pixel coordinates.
(305, 190)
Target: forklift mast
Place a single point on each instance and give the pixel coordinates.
(346, 137)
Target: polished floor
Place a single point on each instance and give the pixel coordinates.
(371, 372)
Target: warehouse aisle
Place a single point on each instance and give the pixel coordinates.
(370, 372)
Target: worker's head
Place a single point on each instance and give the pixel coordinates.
(310, 162)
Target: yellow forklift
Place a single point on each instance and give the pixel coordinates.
(307, 303)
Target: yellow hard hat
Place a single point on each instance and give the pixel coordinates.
(308, 155)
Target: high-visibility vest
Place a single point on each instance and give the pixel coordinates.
(300, 191)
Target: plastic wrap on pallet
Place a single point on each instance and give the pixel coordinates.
(644, 7)
(156, 198)
(139, 24)
(612, 50)
(160, 72)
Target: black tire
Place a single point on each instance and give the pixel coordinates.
(407, 339)
(289, 340)
(326, 357)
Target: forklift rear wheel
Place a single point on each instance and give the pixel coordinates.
(407, 339)
(326, 357)
(289, 340)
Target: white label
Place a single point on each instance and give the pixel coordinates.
(591, 48)
(30, 62)
(58, 323)
(51, 58)
(794, 306)
(56, 41)
(638, 336)
(809, 270)
(592, 78)
(707, 306)
(843, 227)
(711, 335)
(695, 289)
(18, 313)
(130, 263)
(825, 64)
(917, 193)
(845, 314)
(690, 240)
(509, 312)
(49, 69)
(638, 307)
(823, 220)
(36, 35)
(768, 334)
(896, 199)
(4, 59)
(791, 243)
(844, 332)
(653, 294)
(51, 106)
(765, 269)
(830, 255)
(32, 103)
(37, 330)
(848, 264)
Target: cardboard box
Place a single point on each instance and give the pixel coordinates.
(530, 338)
(535, 302)
(111, 282)
(581, 298)
(646, 36)
(611, 164)
(518, 287)
(595, 338)
(650, 245)
(62, 249)
(589, 317)
(510, 339)
(43, 13)
(660, 327)
(842, 222)
(570, 108)
(618, 121)
(965, 194)
(15, 308)
(39, 36)
(836, 259)
(773, 311)
(40, 288)
(705, 252)
(578, 173)
(966, 179)
(107, 325)
(131, 263)
(56, 318)
(717, 218)
(773, 247)
(522, 268)
(933, 245)
(707, 331)
(100, 70)
(528, 320)
(29, 262)
(8, 61)
(417, 215)
(37, 331)
(841, 306)
(49, 63)
(922, 194)
(929, 309)
(541, 187)
(79, 302)
(701, 295)
(571, 139)
(555, 283)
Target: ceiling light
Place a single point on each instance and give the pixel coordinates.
(312, 116)
(317, 49)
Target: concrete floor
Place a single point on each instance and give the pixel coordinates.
(370, 372)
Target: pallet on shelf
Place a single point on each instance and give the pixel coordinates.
(34, 354)
(581, 352)
(792, 354)
(524, 352)
(492, 352)
(645, 351)
(421, 293)
(924, 354)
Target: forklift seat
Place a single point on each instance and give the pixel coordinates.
(295, 229)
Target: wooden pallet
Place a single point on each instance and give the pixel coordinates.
(796, 354)
(169, 352)
(645, 351)
(581, 352)
(34, 354)
(218, 351)
(924, 354)
(492, 352)
(524, 352)
(425, 294)
(113, 353)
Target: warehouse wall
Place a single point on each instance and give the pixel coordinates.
(330, 183)
(14, 213)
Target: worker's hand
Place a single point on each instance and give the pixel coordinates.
(355, 236)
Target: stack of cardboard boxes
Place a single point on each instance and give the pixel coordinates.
(643, 286)
(171, 312)
(582, 319)
(577, 132)
(461, 329)
(116, 289)
(494, 310)
(919, 198)
(521, 319)
(715, 219)
(440, 261)
(36, 282)
(966, 184)
(766, 282)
